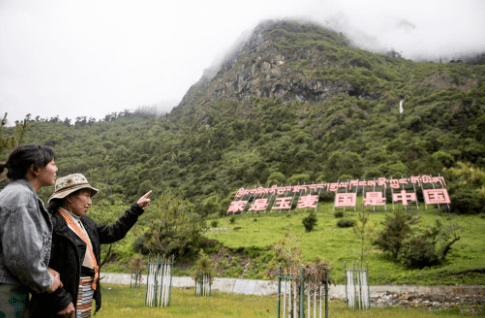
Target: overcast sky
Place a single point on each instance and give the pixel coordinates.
(94, 57)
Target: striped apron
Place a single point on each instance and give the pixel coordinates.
(85, 297)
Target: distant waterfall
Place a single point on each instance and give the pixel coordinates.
(401, 109)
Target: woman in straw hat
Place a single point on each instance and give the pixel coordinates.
(75, 250)
(25, 229)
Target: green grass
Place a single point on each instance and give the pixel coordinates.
(124, 302)
(465, 263)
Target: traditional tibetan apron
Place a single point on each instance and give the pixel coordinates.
(89, 269)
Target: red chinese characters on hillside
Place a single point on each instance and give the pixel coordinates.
(307, 195)
(237, 206)
(404, 197)
(282, 203)
(374, 198)
(436, 196)
(345, 199)
(259, 205)
(308, 201)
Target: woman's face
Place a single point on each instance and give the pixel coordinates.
(79, 202)
(47, 174)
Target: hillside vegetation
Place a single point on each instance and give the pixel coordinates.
(295, 103)
(341, 246)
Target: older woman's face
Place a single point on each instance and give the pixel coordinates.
(79, 202)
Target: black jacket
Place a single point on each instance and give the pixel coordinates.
(67, 256)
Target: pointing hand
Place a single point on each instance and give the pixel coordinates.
(144, 201)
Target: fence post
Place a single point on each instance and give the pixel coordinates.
(148, 276)
(367, 282)
(326, 292)
(171, 275)
(197, 286)
(162, 287)
(279, 293)
(346, 283)
(159, 284)
(357, 287)
(296, 295)
(302, 293)
(156, 289)
(355, 282)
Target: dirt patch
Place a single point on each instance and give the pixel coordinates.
(467, 303)
(227, 256)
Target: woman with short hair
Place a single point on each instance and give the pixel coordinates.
(75, 252)
(25, 229)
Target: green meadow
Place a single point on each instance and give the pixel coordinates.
(125, 302)
(465, 264)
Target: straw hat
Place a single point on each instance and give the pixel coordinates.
(69, 184)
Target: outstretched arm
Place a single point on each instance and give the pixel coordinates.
(116, 231)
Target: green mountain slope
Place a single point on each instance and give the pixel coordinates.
(297, 100)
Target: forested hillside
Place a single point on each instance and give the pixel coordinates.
(295, 103)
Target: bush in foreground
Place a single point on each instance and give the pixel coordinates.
(412, 248)
(309, 222)
(345, 223)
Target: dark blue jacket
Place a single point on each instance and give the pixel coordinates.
(67, 256)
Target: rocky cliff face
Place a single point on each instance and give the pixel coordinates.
(267, 73)
(265, 69)
(268, 66)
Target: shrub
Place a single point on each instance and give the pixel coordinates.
(136, 263)
(214, 223)
(276, 178)
(235, 261)
(426, 248)
(466, 201)
(223, 265)
(345, 223)
(211, 246)
(418, 252)
(139, 246)
(327, 197)
(396, 229)
(232, 219)
(233, 271)
(412, 123)
(309, 222)
(339, 214)
(203, 265)
(446, 159)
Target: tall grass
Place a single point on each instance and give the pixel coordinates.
(124, 302)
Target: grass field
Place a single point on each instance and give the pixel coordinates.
(465, 263)
(125, 302)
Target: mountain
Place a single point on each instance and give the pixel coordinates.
(294, 102)
(268, 65)
(290, 60)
